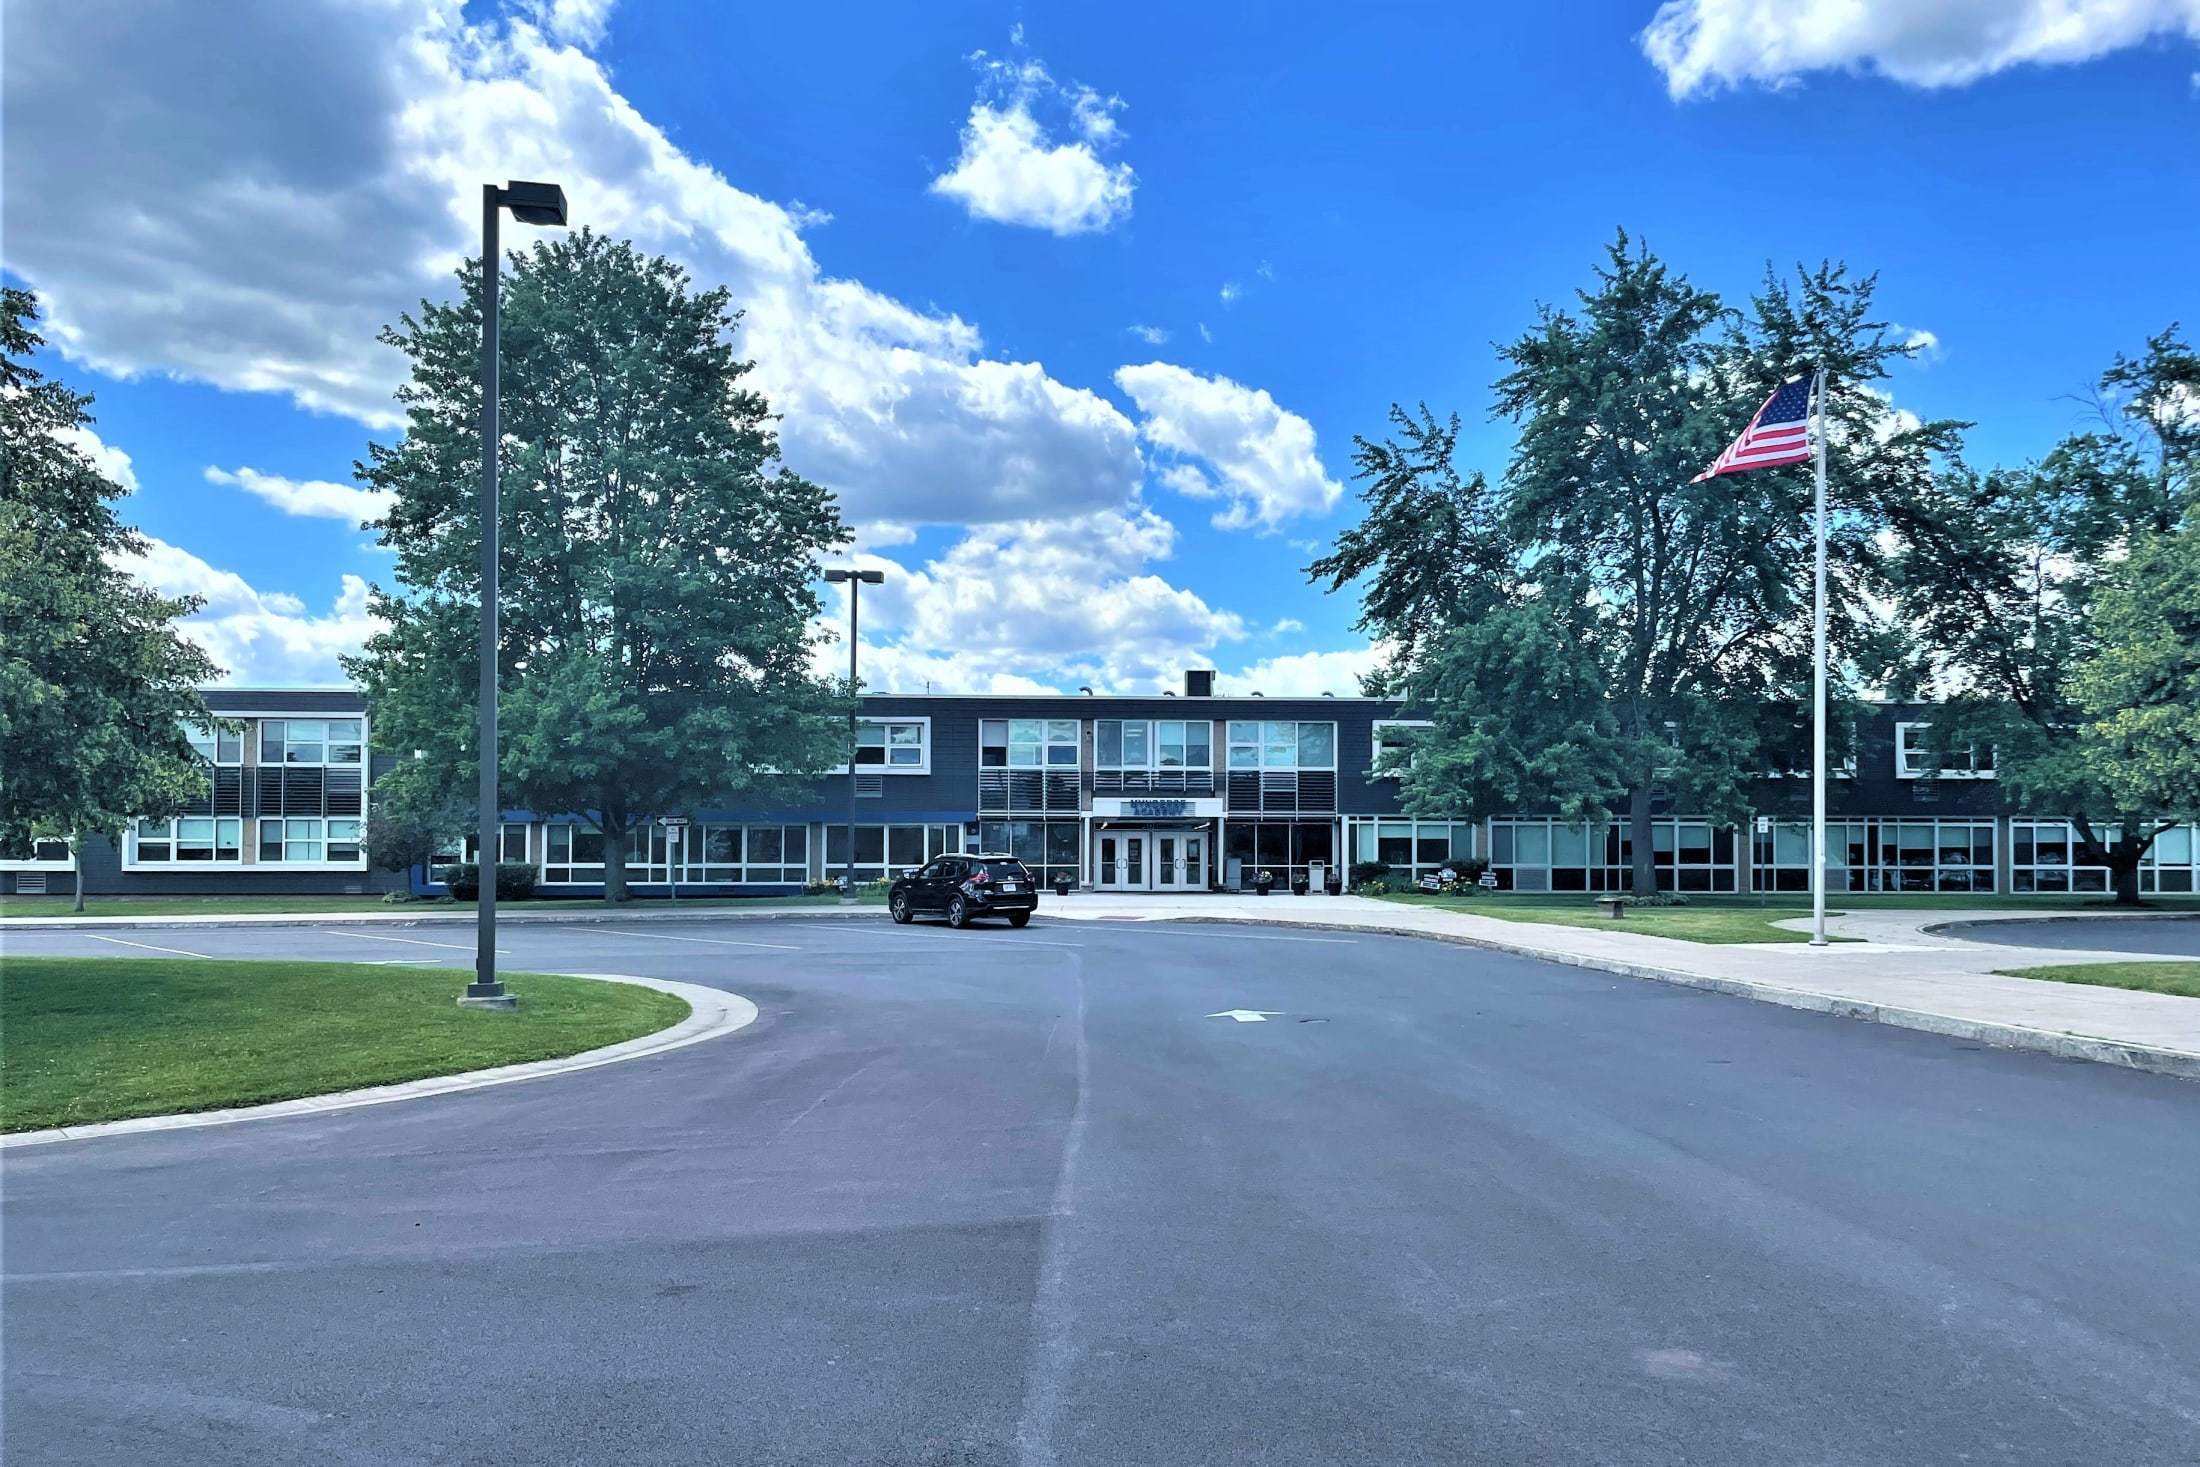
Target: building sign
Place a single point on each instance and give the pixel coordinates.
(1157, 809)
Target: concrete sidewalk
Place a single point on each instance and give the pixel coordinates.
(1898, 971)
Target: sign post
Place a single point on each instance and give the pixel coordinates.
(675, 828)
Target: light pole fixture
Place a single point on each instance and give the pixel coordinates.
(530, 203)
(856, 581)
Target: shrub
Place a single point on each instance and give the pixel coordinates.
(515, 880)
(1362, 872)
(1470, 870)
(819, 888)
(1374, 887)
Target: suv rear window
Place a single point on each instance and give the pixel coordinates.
(1005, 870)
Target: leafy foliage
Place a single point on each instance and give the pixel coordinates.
(1594, 628)
(657, 561)
(95, 682)
(2006, 578)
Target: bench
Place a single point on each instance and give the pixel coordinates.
(1612, 906)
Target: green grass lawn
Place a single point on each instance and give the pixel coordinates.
(1702, 920)
(1720, 918)
(101, 1039)
(217, 906)
(2154, 977)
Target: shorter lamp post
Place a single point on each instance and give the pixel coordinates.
(856, 580)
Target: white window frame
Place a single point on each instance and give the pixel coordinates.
(923, 725)
(325, 840)
(36, 862)
(259, 733)
(1047, 740)
(214, 733)
(1375, 741)
(1154, 741)
(1259, 743)
(1904, 768)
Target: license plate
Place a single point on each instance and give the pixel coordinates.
(1008, 886)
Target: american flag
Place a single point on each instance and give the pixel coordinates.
(1779, 434)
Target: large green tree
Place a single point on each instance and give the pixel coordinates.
(2001, 574)
(1671, 616)
(96, 684)
(658, 562)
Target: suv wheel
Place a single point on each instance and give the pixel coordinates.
(1019, 919)
(958, 913)
(900, 906)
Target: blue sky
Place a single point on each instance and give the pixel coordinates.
(950, 223)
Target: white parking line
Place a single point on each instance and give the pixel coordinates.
(708, 941)
(1231, 936)
(463, 947)
(124, 941)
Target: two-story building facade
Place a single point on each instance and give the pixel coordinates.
(1187, 792)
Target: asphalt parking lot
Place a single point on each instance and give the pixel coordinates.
(2160, 937)
(1049, 1196)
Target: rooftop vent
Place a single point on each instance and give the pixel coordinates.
(1199, 682)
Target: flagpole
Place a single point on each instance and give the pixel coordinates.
(1818, 693)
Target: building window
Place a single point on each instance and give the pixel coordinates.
(189, 839)
(1914, 760)
(1282, 744)
(511, 844)
(1027, 743)
(1877, 855)
(571, 853)
(1283, 848)
(1412, 847)
(1168, 743)
(883, 851)
(1559, 855)
(223, 747)
(757, 855)
(894, 745)
(1394, 740)
(1048, 847)
(310, 741)
(309, 842)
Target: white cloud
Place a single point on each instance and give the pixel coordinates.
(1230, 292)
(1206, 335)
(1248, 451)
(111, 462)
(1703, 45)
(1041, 604)
(1151, 335)
(1286, 625)
(1303, 674)
(259, 638)
(1926, 345)
(1011, 169)
(576, 22)
(247, 204)
(312, 497)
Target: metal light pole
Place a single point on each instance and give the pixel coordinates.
(856, 581)
(530, 203)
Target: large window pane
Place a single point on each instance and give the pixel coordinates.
(1317, 745)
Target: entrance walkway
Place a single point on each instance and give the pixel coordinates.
(1904, 969)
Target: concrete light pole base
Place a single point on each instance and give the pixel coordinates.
(497, 999)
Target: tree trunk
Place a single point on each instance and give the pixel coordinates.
(614, 867)
(1643, 871)
(79, 864)
(2123, 874)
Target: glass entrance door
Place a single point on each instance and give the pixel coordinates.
(1168, 862)
(1123, 858)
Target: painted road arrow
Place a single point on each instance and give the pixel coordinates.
(1248, 1016)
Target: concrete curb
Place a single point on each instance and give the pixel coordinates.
(712, 1013)
(403, 917)
(2183, 1064)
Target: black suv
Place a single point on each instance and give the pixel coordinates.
(961, 888)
